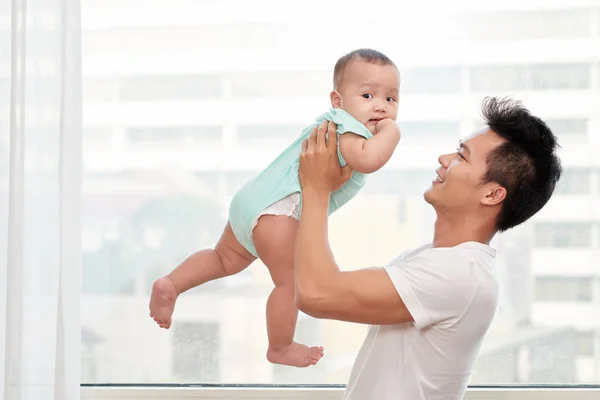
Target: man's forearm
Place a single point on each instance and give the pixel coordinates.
(313, 260)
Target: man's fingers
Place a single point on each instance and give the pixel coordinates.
(332, 137)
(347, 172)
(305, 145)
(311, 142)
(321, 133)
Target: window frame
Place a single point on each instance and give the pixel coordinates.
(587, 392)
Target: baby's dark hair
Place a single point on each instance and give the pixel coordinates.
(526, 165)
(366, 55)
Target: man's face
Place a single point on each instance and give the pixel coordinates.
(458, 182)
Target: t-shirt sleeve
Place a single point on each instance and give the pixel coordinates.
(436, 286)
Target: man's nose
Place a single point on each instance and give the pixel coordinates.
(444, 160)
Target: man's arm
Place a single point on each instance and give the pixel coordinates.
(363, 296)
(323, 291)
(438, 285)
(367, 156)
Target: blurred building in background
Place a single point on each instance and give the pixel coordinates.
(186, 100)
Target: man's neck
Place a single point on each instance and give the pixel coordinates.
(448, 233)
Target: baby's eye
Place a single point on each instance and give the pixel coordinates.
(367, 96)
(390, 99)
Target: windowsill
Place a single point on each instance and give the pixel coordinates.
(165, 392)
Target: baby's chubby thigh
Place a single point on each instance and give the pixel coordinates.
(274, 234)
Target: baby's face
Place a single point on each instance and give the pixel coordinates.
(368, 92)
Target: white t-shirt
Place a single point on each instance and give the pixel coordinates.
(452, 294)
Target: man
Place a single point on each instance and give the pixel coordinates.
(430, 307)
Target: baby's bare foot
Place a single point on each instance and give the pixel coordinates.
(295, 355)
(162, 301)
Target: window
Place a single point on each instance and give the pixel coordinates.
(585, 343)
(211, 180)
(217, 85)
(574, 181)
(171, 134)
(196, 349)
(431, 80)
(564, 289)
(260, 134)
(530, 77)
(99, 90)
(89, 342)
(563, 235)
(569, 129)
(281, 84)
(399, 182)
(177, 31)
(431, 130)
(96, 137)
(236, 179)
(519, 25)
(401, 210)
(165, 87)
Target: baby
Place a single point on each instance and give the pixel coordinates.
(264, 214)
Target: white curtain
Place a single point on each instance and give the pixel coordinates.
(40, 192)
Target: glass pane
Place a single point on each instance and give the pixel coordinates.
(530, 77)
(535, 24)
(186, 101)
(171, 134)
(423, 132)
(563, 289)
(585, 344)
(279, 84)
(153, 88)
(557, 234)
(259, 133)
(569, 131)
(196, 351)
(575, 181)
(431, 80)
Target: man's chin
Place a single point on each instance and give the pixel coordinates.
(428, 196)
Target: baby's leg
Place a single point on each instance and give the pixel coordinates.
(275, 239)
(227, 258)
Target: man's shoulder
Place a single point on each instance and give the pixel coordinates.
(406, 254)
(467, 250)
(464, 261)
(439, 283)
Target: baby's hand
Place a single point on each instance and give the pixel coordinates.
(386, 122)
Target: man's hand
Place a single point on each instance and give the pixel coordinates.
(321, 289)
(320, 168)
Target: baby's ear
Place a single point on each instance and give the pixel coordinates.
(336, 99)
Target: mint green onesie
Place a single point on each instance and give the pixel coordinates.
(280, 179)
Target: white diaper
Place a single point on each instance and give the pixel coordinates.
(289, 206)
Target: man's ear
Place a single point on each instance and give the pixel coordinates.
(336, 99)
(494, 195)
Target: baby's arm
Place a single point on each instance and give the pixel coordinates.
(367, 156)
